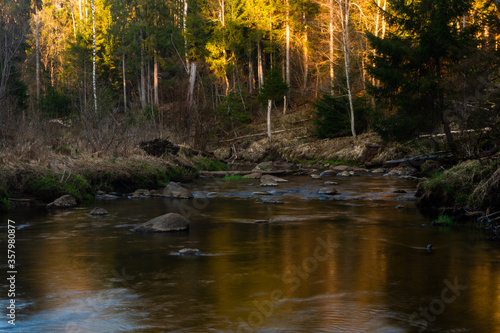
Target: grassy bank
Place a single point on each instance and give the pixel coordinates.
(83, 177)
(469, 186)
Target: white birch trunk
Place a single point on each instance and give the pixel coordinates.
(344, 12)
(190, 97)
(269, 105)
(184, 18)
(94, 88)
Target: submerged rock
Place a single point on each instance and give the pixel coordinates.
(164, 223)
(327, 173)
(66, 201)
(328, 191)
(268, 182)
(189, 252)
(262, 193)
(315, 176)
(107, 196)
(344, 174)
(174, 190)
(330, 183)
(274, 178)
(254, 175)
(99, 212)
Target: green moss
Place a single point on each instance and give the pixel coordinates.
(51, 186)
(234, 177)
(207, 164)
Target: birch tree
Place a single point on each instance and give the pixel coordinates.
(344, 11)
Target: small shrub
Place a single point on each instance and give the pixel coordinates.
(444, 220)
(5, 204)
(333, 116)
(207, 164)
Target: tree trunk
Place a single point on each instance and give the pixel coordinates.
(190, 97)
(124, 84)
(143, 77)
(269, 105)
(260, 70)
(344, 12)
(156, 99)
(184, 18)
(37, 52)
(250, 75)
(306, 55)
(94, 87)
(287, 60)
(331, 46)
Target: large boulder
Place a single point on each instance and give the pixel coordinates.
(164, 223)
(174, 190)
(66, 201)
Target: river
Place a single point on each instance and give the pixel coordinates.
(345, 263)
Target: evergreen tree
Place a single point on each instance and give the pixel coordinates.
(412, 64)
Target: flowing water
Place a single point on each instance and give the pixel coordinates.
(346, 263)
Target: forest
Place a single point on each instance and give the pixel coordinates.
(197, 71)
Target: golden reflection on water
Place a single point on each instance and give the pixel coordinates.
(320, 265)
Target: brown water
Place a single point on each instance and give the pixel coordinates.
(348, 263)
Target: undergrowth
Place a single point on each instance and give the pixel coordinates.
(475, 184)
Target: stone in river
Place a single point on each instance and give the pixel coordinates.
(174, 190)
(164, 223)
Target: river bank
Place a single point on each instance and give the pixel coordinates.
(464, 191)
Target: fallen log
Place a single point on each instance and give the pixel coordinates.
(220, 174)
(421, 159)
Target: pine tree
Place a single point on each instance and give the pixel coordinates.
(412, 63)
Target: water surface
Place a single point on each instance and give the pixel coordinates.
(346, 263)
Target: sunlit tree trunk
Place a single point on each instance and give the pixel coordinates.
(37, 52)
(184, 19)
(306, 55)
(156, 100)
(383, 19)
(287, 60)
(260, 69)
(331, 45)
(94, 87)
(124, 84)
(345, 6)
(250, 74)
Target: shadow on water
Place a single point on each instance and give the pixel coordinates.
(344, 263)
